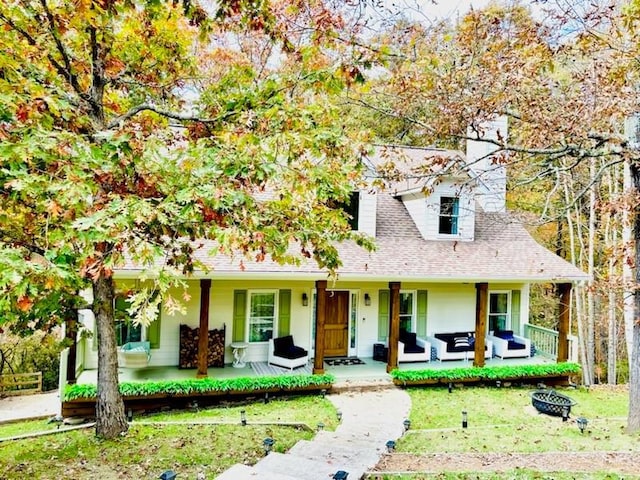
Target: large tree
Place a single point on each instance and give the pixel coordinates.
(129, 129)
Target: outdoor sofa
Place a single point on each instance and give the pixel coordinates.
(508, 345)
(458, 346)
(413, 349)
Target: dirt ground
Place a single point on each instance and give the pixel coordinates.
(623, 463)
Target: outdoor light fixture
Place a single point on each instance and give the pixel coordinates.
(582, 423)
(498, 383)
(407, 424)
(243, 418)
(323, 392)
(168, 475)
(320, 426)
(305, 300)
(391, 446)
(465, 422)
(266, 397)
(367, 299)
(450, 387)
(565, 413)
(129, 415)
(339, 415)
(340, 475)
(267, 445)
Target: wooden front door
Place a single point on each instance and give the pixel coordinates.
(336, 328)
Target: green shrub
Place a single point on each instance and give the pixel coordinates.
(203, 386)
(486, 373)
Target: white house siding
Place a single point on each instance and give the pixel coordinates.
(367, 213)
(425, 211)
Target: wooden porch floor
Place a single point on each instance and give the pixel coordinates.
(371, 370)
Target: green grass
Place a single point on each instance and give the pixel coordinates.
(503, 420)
(149, 449)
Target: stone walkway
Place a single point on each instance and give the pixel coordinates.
(369, 420)
(24, 407)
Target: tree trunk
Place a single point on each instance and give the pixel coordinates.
(611, 232)
(591, 320)
(110, 415)
(627, 270)
(574, 231)
(633, 422)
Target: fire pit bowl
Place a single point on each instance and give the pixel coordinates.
(551, 402)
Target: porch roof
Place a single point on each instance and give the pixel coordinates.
(502, 251)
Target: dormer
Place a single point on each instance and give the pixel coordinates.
(362, 210)
(445, 212)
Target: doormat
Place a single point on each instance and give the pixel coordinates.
(335, 362)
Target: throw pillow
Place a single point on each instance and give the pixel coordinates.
(461, 342)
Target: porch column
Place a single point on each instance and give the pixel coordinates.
(482, 299)
(563, 322)
(321, 315)
(394, 325)
(203, 333)
(71, 334)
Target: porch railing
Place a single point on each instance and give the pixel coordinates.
(546, 342)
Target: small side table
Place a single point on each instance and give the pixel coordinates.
(239, 350)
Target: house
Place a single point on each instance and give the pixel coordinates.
(449, 258)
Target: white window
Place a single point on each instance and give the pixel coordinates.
(262, 315)
(499, 311)
(449, 212)
(407, 311)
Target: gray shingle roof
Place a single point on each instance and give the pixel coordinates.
(502, 251)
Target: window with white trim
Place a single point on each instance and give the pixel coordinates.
(499, 311)
(449, 213)
(262, 315)
(407, 311)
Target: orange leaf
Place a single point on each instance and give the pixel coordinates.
(24, 303)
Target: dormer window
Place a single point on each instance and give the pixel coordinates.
(449, 211)
(352, 208)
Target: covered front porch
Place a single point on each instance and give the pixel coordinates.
(371, 370)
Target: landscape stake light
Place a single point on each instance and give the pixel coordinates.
(340, 475)
(464, 419)
(267, 444)
(407, 424)
(168, 475)
(582, 423)
(320, 426)
(391, 446)
(130, 415)
(565, 413)
(323, 392)
(243, 418)
(450, 387)
(498, 383)
(339, 415)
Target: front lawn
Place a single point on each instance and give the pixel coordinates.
(168, 441)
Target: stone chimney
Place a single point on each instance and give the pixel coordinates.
(491, 177)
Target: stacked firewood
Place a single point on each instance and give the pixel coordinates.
(189, 347)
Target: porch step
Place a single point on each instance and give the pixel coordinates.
(306, 469)
(243, 472)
